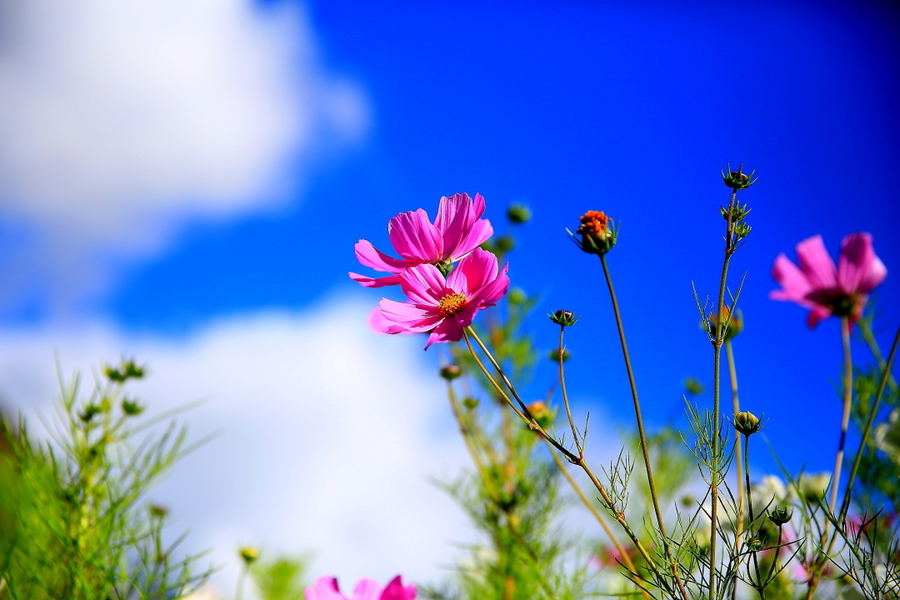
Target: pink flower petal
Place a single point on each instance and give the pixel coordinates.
(859, 270)
(326, 588)
(396, 591)
(793, 281)
(370, 256)
(367, 589)
(415, 238)
(374, 282)
(479, 233)
(816, 264)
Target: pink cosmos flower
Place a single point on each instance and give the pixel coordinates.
(824, 289)
(439, 305)
(326, 588)
(457, 230)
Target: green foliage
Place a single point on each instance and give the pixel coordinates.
(280, 578)
(76, 524)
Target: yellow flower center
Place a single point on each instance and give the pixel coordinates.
(451, 304)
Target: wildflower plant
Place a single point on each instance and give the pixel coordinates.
(76, 519)
(739, 538)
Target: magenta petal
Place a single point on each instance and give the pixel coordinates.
(793, 281)
(396, 591)
(816, 264)
(423, 284)
(375, 282)
(447, 331)
(817, 313)
(493, 291)
(859, 270)
(473, 272)
(370, 256)
(367, 589)
(478, 234)
(455, 217)
(415, 238)
(402, 317)
(326, 588)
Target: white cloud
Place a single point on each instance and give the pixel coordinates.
(120, 121)
(328, 435)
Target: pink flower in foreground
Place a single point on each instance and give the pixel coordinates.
(326, 588)
(439, 305)
(457, 230)
(827, 290)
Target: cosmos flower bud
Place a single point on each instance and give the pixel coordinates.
(518, 214)
(554, 355)
(781, 515)
(737, 180)
(541, 413)
(249, 554)
(735, 322)
(450, 372)
(597, 233)
(746, 423)
(565, 318)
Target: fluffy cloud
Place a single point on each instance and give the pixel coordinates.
(120, 121)
(327, 435)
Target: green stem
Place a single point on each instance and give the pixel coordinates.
(640, 425)
(714, 476)
(845, 418)
(736, 406)
(526, 416)
(565, 395)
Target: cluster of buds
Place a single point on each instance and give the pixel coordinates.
(746, 423)
(597, 231)
(127, 370)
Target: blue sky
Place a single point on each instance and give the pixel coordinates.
(192, 175)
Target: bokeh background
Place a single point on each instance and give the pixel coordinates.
(183, 182)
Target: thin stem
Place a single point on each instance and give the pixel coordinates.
(885, 378)
(465, 430)
(845, 419)
(565, 394)
(751, 517)
(593, 510)
(730, 247)
(640, 425)
(577, 460)
(736, 406)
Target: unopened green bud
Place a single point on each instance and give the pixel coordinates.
(746, 423)
(249, 554)
(158, 510)
(781, 515)
(737, 180)
(450, 372)
(131, 407)
(554, 355)
(517, 296)
(564, 318)
(518, 214)
(470, 403)
(693, 386)
(755, 544)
